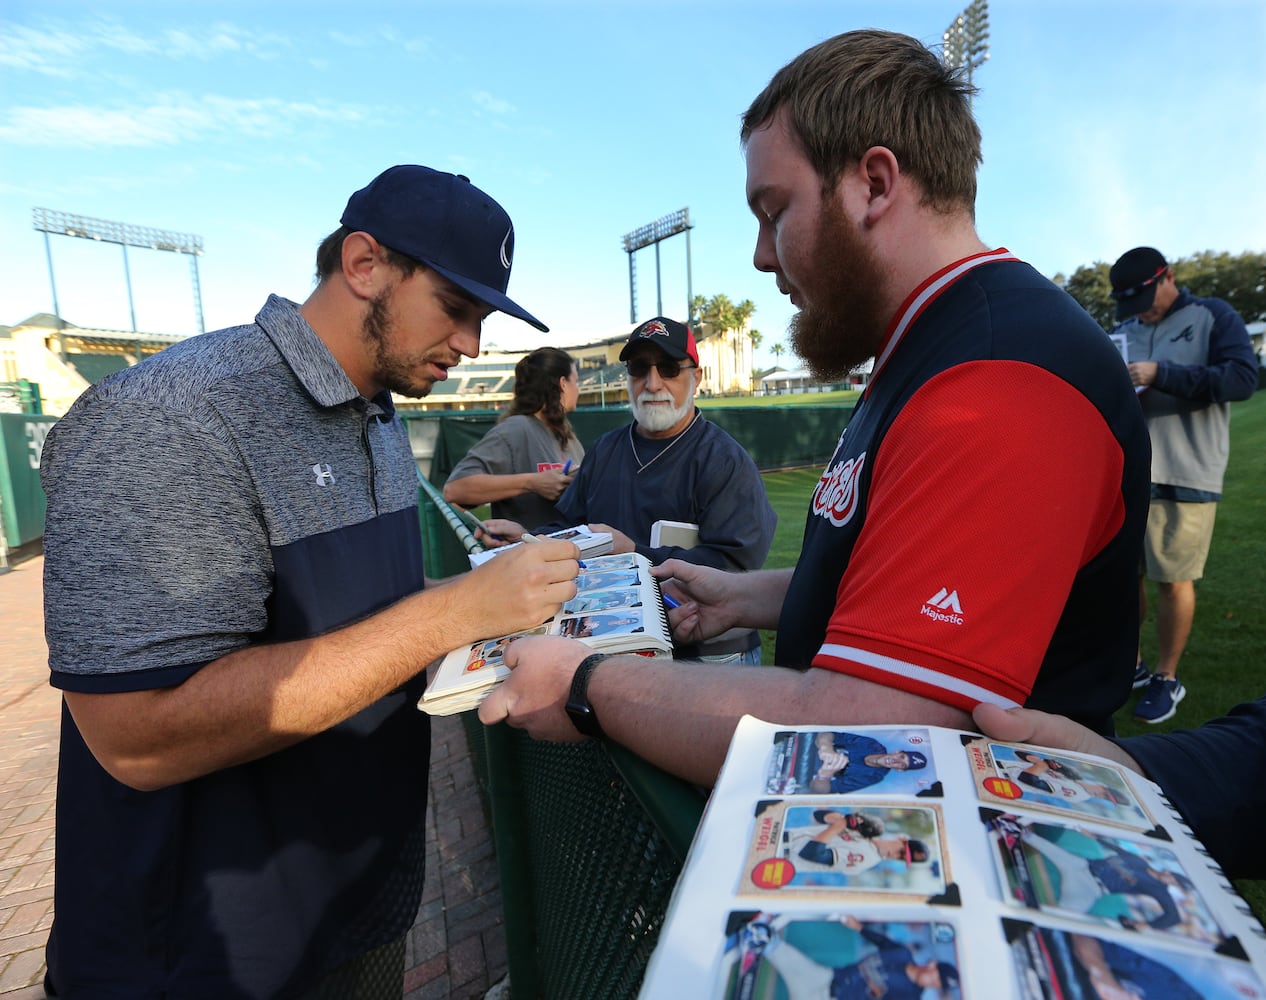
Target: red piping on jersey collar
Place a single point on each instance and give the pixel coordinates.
(923, 296)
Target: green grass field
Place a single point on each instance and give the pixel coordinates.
(1228, 639)
(791, 399)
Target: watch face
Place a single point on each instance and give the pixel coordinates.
(582, 718)
(581, 713)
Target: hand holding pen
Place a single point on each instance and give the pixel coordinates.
(495, 532)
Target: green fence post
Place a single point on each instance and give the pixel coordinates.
(509, 837)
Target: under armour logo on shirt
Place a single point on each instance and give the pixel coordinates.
(324, 474)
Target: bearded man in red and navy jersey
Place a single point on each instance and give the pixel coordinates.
(975, 537)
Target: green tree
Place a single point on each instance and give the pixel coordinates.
(1089, 285)
(778, 351)
(1240, 279)
(720, 313)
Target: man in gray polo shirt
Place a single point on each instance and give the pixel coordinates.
(236, 615)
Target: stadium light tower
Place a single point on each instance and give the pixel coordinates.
(653, 233)
(966, 40)
(125, 235)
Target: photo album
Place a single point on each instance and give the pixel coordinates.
(617, 609)
(920, 862)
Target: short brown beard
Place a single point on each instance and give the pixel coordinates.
(846, 322)
(390, 370)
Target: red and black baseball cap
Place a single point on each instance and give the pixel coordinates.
(445, 222)
(673, 338)
(1134, 278)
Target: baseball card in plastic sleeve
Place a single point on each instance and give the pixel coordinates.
(1053, 963)
(879, 761)
(1007, 776)
(810, 847)
(1053, 867)
(837, 955)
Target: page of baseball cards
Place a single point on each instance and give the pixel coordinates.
(916, 862)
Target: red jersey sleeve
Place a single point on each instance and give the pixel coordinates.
(993, 486)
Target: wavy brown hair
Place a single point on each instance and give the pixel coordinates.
(537, 392)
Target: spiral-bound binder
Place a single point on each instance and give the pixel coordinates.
(618, 608)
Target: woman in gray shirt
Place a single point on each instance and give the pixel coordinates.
(523, 464)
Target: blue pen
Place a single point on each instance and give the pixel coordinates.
(567, 467)
(671, 601)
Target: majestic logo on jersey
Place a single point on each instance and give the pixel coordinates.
(835, 499)
(943, 606)
(324, 474)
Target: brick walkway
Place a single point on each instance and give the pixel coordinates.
(456, 948)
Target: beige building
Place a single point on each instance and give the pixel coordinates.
(63, 360)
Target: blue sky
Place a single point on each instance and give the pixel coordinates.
(1106, 125)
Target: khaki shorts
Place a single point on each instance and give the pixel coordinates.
(1176, 543)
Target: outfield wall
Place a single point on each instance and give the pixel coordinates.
(777, 437)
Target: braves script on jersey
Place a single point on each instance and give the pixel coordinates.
(975, 535)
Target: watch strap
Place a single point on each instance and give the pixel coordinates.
(579, 710)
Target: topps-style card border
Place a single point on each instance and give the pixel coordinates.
(990, 760)
(746, 971)
(1045, 964)
(794, 759)
(1023, 856)
(769, 872)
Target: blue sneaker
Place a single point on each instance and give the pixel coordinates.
(1161, 699)
(1141, 675)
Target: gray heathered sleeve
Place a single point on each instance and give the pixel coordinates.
(155, 552)
(495, 453)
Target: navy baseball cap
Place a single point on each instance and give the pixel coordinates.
(674, 338)
(445, 222)
(1134, 278)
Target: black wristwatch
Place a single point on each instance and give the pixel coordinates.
(581, 713)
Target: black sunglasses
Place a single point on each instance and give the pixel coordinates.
(668, 368)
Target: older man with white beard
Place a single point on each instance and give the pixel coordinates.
(672, 464)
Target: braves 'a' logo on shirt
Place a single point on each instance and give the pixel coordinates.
(835, 499)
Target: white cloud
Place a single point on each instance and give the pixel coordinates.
(168, 120)
(492, 104)
(63, 52)
(379, 36)
(52, 53)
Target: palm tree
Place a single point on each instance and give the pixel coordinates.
(778, 350)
